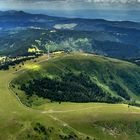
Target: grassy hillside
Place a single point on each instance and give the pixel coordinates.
(19, 122)
(102, 121)
(65, 121)
(81, 77)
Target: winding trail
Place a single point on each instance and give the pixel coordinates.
(50, 112)
(67, 111)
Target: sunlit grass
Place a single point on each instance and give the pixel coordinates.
(102, 121)
(34, 67)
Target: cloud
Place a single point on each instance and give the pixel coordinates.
(88, 1)
(108, 1)
(63, 4)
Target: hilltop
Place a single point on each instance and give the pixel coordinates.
(76, 121)
(80, 77)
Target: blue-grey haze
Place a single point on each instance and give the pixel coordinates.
(93, 9)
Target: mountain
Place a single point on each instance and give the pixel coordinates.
(12, 13)
(19, 30)
(45, 120)
(94, 22)
(81, 78)
(72, 95)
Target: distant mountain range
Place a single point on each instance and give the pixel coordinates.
(16, 16)
(112, 38)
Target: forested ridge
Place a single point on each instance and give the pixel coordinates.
(71, 87)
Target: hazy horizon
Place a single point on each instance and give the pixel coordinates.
(92, 9)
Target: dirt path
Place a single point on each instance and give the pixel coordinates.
(49, 113)
(67, 111)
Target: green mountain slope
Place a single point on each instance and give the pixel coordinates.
(65, 121)
(82, 77)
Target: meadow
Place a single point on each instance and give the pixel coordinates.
(68, 121)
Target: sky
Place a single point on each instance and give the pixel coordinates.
(103, 9)
(68, 4)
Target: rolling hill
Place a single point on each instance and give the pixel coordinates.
(76, 121)
(80, 77)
